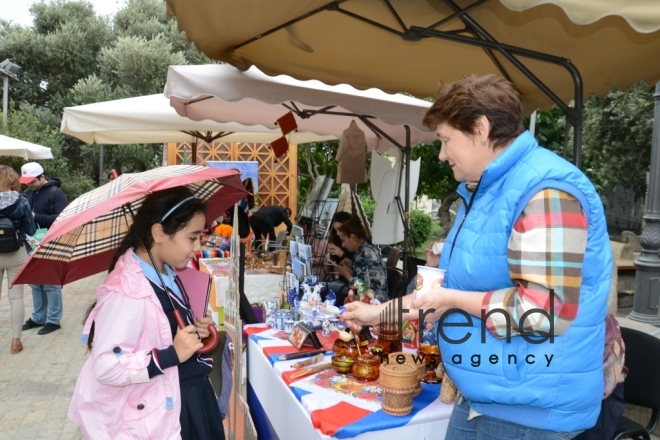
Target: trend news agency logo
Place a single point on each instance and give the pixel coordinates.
(392, 318)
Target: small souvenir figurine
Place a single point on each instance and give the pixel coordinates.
(351, 297)
(428, 335)
(325, 332)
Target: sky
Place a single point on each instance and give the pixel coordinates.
(18, 10)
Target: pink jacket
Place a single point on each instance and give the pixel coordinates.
(114, 397)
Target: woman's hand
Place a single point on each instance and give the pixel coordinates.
(439, 299)
(344, 271)
(358, 314)
(202, 325)
(335, 250)
(186, 342)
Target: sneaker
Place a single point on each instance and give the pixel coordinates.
(31, 324)
(49, 328)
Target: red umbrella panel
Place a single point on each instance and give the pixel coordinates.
(85, 236)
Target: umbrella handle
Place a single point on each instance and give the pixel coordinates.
(178, 317)
(211, 341)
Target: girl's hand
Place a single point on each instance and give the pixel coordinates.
(186, 342)
(202, 325)
(358, 314)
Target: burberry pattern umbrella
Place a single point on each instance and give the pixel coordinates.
(83, 239)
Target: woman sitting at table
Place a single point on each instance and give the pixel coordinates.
(368, 265)
(335, 249)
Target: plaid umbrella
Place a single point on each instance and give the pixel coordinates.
(83, 239)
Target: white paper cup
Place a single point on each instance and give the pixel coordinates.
(428, 278)
(437, 247)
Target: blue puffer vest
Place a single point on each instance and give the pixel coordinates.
(565, 395)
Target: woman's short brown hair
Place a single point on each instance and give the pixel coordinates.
(353, 226)
(8, 179)
(461, 103)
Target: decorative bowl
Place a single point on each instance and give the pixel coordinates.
(432, 357)
(389, 339)
(345, 348)
(366, 368)
(343, 364)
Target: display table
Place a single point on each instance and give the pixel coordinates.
(327, 405)
(259, 286)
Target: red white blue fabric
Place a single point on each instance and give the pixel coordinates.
(338, 406)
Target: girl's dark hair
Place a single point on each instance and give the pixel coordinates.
(353, 226)
(154, 207)
(339, 217)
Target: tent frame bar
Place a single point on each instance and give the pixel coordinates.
(482, 39)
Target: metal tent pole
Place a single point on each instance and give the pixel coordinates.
(647, 276)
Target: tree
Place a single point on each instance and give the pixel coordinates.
(315, 159)
(71, 56)
(617, 137)
(436, 181)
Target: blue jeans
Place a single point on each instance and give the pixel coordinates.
(47, 300)
(487, 428)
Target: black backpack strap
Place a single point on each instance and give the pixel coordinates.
(51, 199)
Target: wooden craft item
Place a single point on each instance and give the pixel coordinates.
(306, 363)
(311, 370)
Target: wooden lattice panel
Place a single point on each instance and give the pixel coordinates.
(278, 182)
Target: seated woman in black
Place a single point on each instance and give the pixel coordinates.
(337, 252)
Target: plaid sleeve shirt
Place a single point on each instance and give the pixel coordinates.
(545, 251)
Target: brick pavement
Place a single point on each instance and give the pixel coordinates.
(36, 385)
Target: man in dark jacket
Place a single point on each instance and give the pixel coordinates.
(47, 200)
(266, 219)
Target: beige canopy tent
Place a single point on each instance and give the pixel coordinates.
(413, 45)
(10, 146)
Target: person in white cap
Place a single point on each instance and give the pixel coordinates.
(46, 200)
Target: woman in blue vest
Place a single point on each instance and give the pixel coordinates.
(529, 266)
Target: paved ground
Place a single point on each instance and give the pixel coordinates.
(36, 384)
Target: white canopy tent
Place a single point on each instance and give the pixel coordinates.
(224, 93)
(150, 119)
(10, 146)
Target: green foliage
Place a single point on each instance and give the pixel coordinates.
(138, 66)
(61, 47)
(421, 226)
(76, 184)
(369, 206)
(616, 141)
(436, 178)
(617, 137)
(71, 56)
(316, 159)
(550, 129)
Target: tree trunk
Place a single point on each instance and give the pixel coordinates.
(444, 216)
